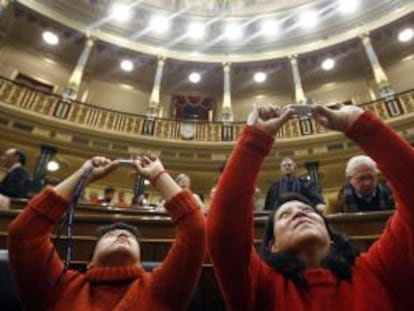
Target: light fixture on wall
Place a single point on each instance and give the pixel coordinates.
(269, 27)
(348, 6)
(194, 77)
(53, 166)
(121, 12)
(159, 24)
(50, 37)
(406, 35)
(126, 65)
(308, 19)
(233, 32)
(260, 77)
(328, 64)
(196, 31)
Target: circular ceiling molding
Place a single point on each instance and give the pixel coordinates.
(331, 25)
(209, 8)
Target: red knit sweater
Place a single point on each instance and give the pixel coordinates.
(168, 287)
(382, 278)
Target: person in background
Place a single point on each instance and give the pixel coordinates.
(93, 197)
(258, 203)
(121, 199)
(140, 201)
(303, 263)
(109, 194)
(16, 181)
(184, 181)
(115, 278)
(363, 192)
(290, 182)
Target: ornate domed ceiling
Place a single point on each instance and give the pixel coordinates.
(237, 31)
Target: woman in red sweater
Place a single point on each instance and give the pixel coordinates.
(380, 279)
(115, 279)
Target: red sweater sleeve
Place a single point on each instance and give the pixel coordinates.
(392, 256)
(29, 246)
(176, 278)
(230, 219)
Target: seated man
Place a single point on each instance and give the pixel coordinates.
(109, 194)
(290, 182)
(115, 279)
(184, 181)
(121, 199)
(362, 192)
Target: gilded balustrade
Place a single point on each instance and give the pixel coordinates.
(81, 114)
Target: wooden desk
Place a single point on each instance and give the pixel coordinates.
(148, 226)
(357, 224)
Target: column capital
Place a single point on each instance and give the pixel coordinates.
(365, 37)
(91, 36)
(161, 60)
(5, 3)
(293, 57)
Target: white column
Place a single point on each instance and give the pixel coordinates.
(3, 6)
(154, 103)
(299, 93)
(227, 112)
(381, 79)
(72, 87)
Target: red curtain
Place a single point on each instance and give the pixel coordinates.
(192, 107)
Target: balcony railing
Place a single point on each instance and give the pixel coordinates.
(85, 115)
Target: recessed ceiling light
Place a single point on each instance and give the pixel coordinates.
(406, 35)
(126, 65)
(50, 38)
(121, 12)
(269, 27)
(233, 32)
(53, 166)
(159, 24)
(196, 31)
(308, 19)
(260, 77)
(194, 77)
(328, 64)
(348, 6)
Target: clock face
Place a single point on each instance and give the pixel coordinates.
(187, 130)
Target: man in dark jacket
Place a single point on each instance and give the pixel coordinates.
(290, 182)
(15, 182)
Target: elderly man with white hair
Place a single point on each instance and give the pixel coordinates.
(363, 192)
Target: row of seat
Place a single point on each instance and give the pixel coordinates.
(207, 296)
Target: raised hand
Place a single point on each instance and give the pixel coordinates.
(269, 118)
(101, 167)
(339, 119)
(149, 166)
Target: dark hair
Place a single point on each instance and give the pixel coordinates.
(340, 259)
(102, 230)
(109, 189)
(21, 155)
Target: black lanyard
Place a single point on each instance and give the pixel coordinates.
(68, 221)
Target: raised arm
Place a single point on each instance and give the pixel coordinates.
(176, 278)
(392, 256)
(230, 220)
(29, 237)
